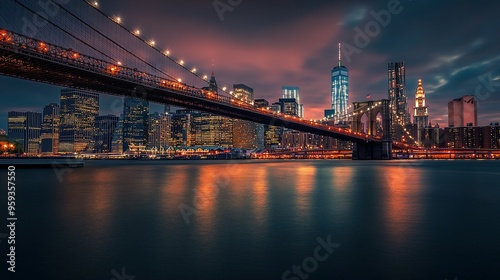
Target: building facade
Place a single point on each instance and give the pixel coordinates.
(78, 112)
(261, 128)
(211, 130)
(25, 129)
(398, 99)
(339, 91)
(181, 129)
(50, 129)
(293, 92)
(159, 131)
(117, 142)
(135, 124)
(105, 130)
(244, 93)
(462, 112)
(244, 132)
(420, 113)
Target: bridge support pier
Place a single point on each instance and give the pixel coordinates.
(372, 150)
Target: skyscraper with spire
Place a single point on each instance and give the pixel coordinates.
(420, 113)
(340, 89)
(213, 83)
(397, 95)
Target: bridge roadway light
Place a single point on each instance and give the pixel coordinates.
(137, 32)
(96, 4)
(118, 19)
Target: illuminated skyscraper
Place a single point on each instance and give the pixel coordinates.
(244, 93)
(50, 129)
(78, 112)
(339, 90)
(261, 128)
(25, 128)
(244, 132)
(420, 114)
(181, 129)
(159, 130)
(212, 86)
(105, 129)
(117, 142)
(211, 130)
(272, 134)
(288, 94)
(397, 95)
(135, 123)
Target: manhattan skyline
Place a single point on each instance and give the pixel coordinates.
(295, 43)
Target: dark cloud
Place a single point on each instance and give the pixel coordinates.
(267, 44)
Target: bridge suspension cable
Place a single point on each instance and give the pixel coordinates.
(165, 54)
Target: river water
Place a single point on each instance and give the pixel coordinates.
(258, 220)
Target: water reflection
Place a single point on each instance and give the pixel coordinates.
(342, 176)
(260, 196)
(88, 209)
(206, 195)
(402, 205)
(174, 191)
(305, 177)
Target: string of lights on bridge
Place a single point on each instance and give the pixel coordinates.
(180, 62)
(152, 43)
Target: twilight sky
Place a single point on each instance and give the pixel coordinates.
(452, 45)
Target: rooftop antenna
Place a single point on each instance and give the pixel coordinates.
(339, 54)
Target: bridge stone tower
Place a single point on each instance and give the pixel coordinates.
(369, 149)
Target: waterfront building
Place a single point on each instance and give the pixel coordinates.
(135, 123)
(211, 130)
(50, 129)
(78, 112)
(25, 129)
(159, 131)
(105, 130)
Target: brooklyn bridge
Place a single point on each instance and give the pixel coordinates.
(78, 46)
